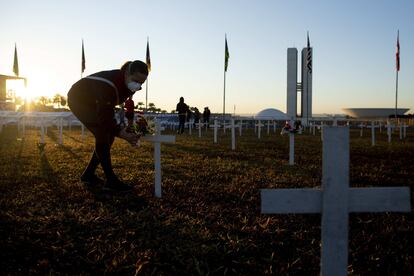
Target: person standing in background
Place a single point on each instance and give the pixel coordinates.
(206, 116)
(182, 110)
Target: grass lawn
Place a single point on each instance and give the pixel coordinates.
(208, 220)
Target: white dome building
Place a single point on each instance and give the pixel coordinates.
(270, 114)
(373, 112)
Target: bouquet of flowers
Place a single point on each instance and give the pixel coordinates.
(142, 126)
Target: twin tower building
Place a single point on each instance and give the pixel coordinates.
(304, 87)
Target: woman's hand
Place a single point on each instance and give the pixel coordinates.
(131, 137)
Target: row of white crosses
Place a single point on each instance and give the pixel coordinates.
(239, 125)
(259, 126)
(233, 132)
(335, 200)
(233, 127)
(389, 126)
(156, 139)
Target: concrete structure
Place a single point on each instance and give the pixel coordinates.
(306, 99)
(305, 86)
(292, 80)
(373, 112)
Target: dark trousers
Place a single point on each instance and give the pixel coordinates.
(98, 118)
(181, 119)
(207, 121)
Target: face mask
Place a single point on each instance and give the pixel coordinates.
(134, 86)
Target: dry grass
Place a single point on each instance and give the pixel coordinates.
(208, 221)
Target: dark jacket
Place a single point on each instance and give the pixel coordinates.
(182, 108)
(93, 101)
(117, 77)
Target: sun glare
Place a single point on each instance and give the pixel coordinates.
(16, 88)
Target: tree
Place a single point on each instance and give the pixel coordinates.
(43, 100)
(140, 106)
(63, 101)
(57, 99)
(151, 107)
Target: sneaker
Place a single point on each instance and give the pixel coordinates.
(117, 185)
(91, 179)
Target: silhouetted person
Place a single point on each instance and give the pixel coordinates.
(196, 115)
(93, 99)
(206, 116)
(129, 114)
(182, 110)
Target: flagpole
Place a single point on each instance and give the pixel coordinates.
(224, 96)
(396, 96)
(226, 57)
(82, 61)
(148, 62)
(146, 94)
(307, 90)
(396, 77)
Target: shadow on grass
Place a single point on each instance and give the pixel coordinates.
(121, 201)
(55, 139)
(66, 134)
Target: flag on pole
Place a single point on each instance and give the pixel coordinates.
(148, 58)
(15, 62)
(309, 57)
(397, 54)
(226, 55)
(83, 59)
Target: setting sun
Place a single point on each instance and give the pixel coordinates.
(32, 90)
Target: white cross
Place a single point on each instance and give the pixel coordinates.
(335, 200)
(268, 127)
(240, 127)
(215, 131)
(362, 129)
(233, 135)
(199, 126)
(190, 126)
(157, 139)
(42, 132)
(389, 130)
(403, 131)
(60, 126)
(259, 129)
(372, 127)
(291, 149)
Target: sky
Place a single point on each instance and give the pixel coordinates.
(354, 45)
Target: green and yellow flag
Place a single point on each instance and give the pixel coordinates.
(83, 63)
(15, 62)
(226, 55)
(148, 58)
